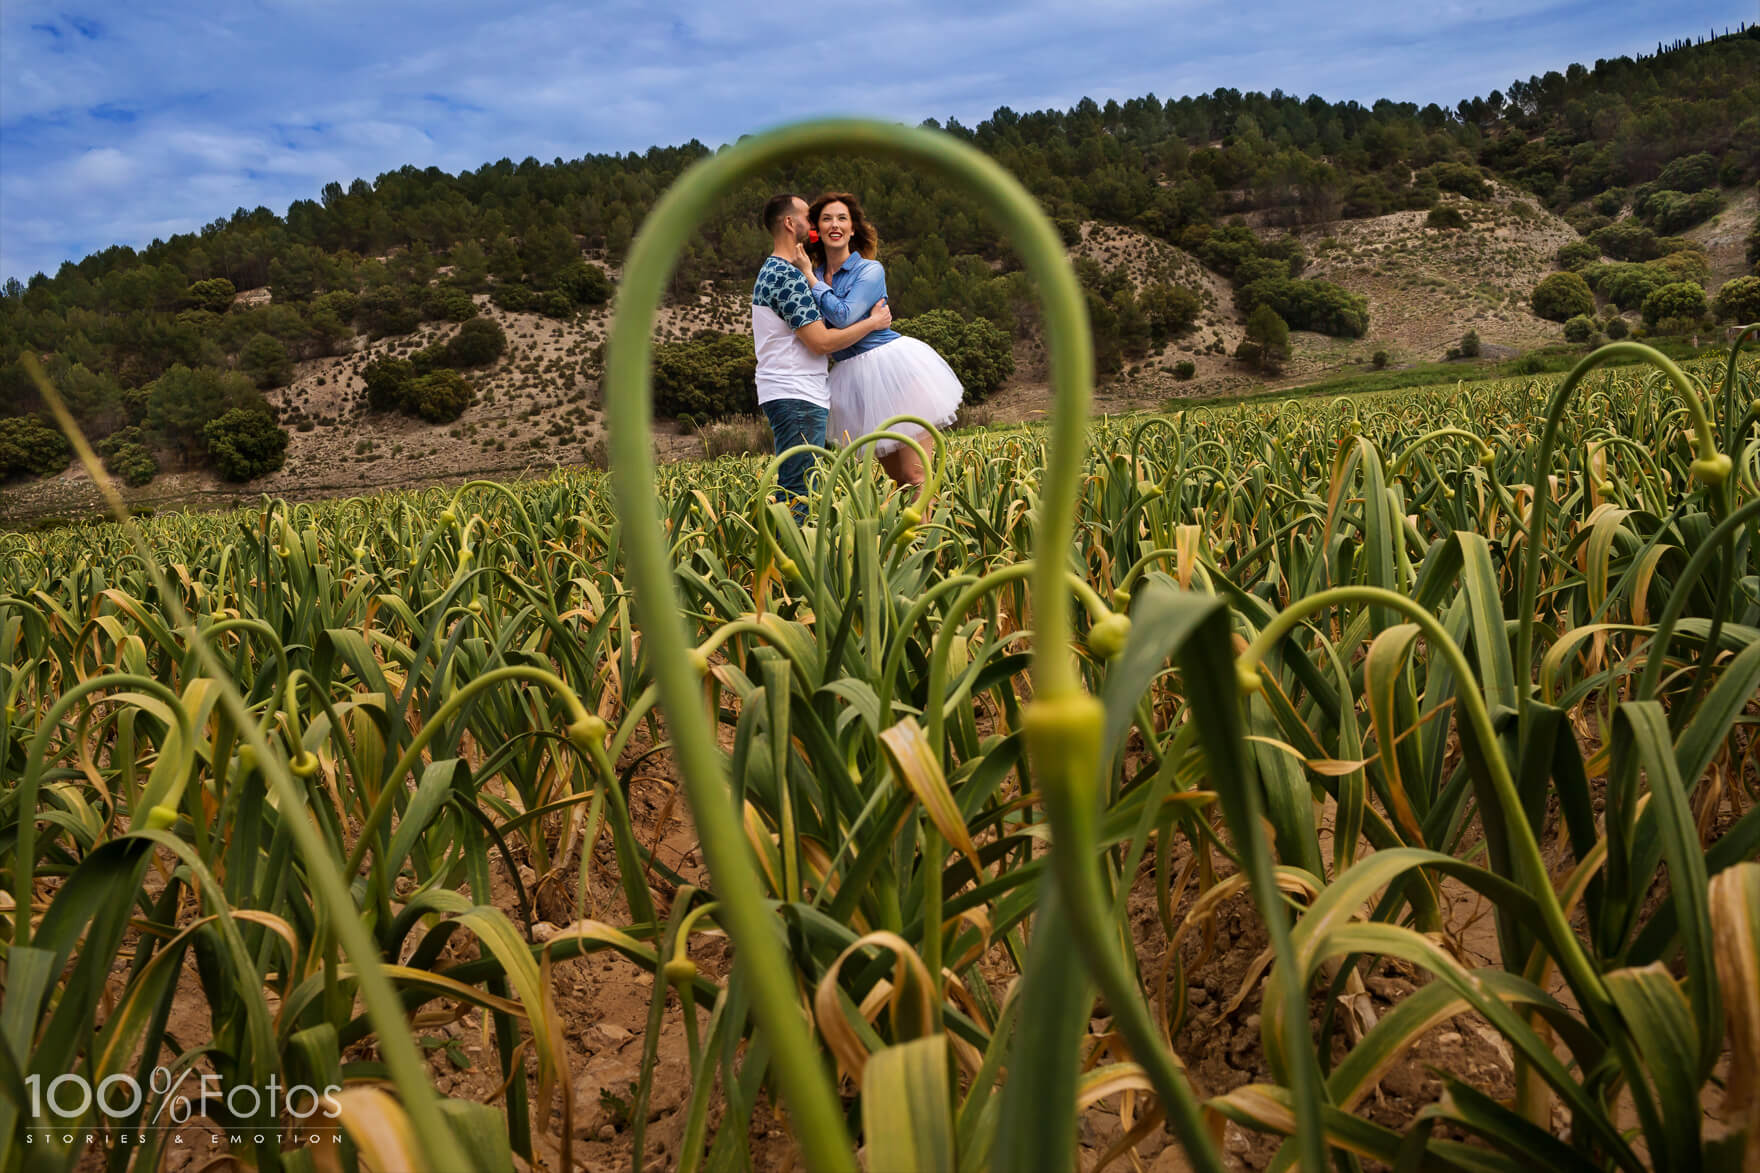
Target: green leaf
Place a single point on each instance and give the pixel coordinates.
(905, 1116)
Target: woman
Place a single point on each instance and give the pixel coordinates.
(885, 374)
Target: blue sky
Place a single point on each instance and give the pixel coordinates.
(124, 122)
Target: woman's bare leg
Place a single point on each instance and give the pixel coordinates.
(913, 466)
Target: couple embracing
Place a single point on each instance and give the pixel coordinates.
(822, 292)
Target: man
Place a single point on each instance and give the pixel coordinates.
(791, 339)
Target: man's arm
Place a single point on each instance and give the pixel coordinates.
(822, 339)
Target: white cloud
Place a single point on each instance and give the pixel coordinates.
(102, 167)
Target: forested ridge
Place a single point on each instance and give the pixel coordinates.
(162, 361)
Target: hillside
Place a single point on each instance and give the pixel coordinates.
(1386, 230)
(536, 408)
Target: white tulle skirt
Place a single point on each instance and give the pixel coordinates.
(901, 377)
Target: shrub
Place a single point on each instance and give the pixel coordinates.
(30, 446)
(1627, 284)
(1740, 299)
(1627, 240)
(1267, 340)
(388, 381)
(1579, 329)
(585, 283)
(1685, 265)
(1689, 173)
(384, 311)
(448, 303)
(1671, 211)
(340, 302)
(198, 319)
(214, 295)
(1681, 301)
(478, 342)
(182, 402)
(132, 463)
(440, 397)
(740, 435)
(1171, 309)
(1578, 253)
(1460, 178)
(1445, 217)
(1562, 296)
(429, 358)
(1184, 369)
(1379, 361)
(554, 303)
(1470, 344)
(707, 377)
(1309, 305)
(1259, 269)
(265, 359)
(978, 351)
(245, 444)
(1616, 328)
(515, 298)
(1587, 221)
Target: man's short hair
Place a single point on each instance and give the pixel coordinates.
(778, 207)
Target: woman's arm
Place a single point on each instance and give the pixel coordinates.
(820, 338)
(867, 289)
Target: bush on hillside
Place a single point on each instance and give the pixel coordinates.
(128, 457)
(585, 283)
(28, 446)
(709, 377)
(384, 311)
(183, 401)
(1681, 302)
(1626, 284)
(132, 464)
(1171, 309)
(1672, 211)
(1739, 300)
(265, 359)
(388, 381)
(1689, 264)
(447, 303)
(214, 295)
(1577, 254)
(1266, 344)
(440, 397)
(1689, 173)
(1459, 178)
(1626, 240)
(245, 444)
(1562, 296)
(478, 342)
(1309, 305)
(1579, 329)
(1445, 217)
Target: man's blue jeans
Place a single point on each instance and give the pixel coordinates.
(792, 422)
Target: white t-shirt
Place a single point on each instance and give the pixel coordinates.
(782, 304)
